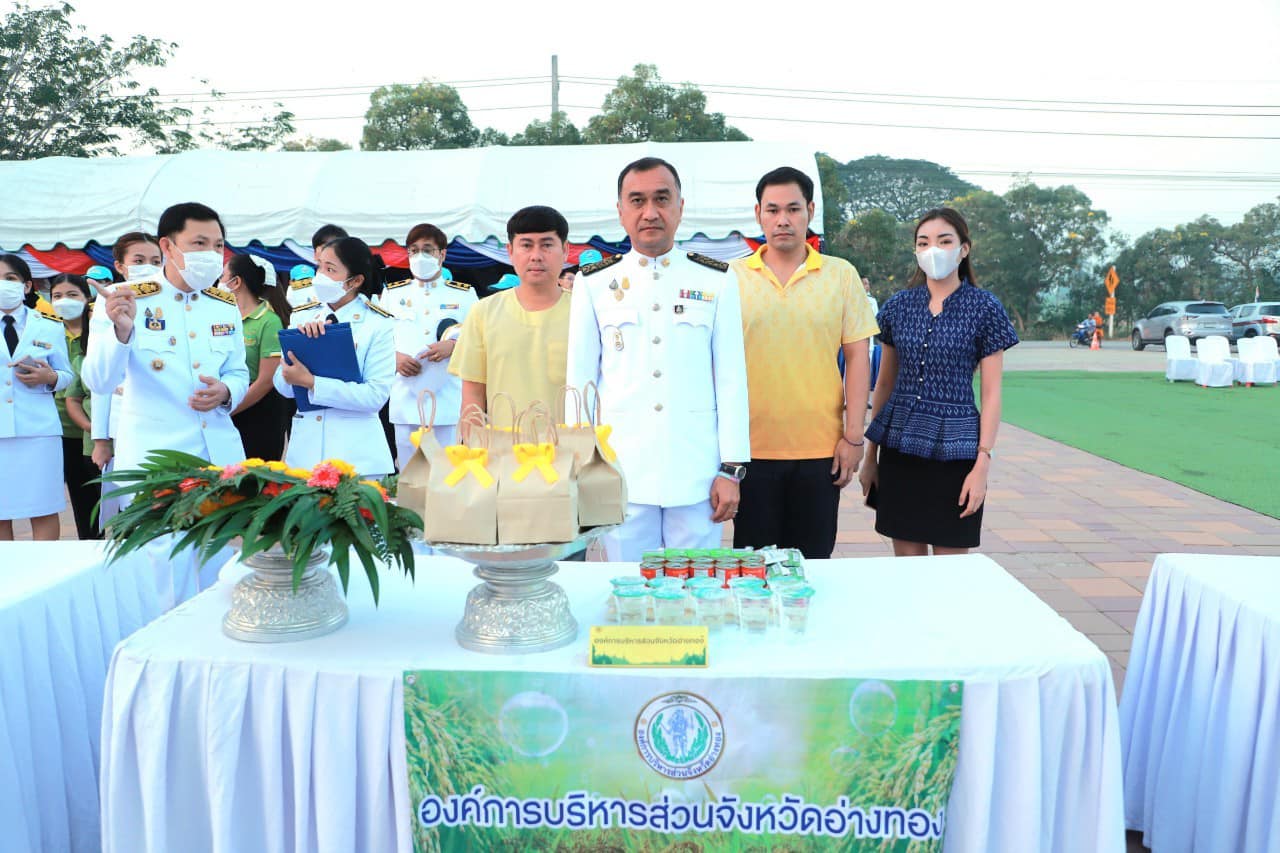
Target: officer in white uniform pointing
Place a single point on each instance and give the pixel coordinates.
(175, 345)
(660, 331)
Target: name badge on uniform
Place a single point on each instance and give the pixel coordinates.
(679, 309)
(154, 320)
(617, 339)
(221, 330)
(698, 295)
(454, 307)
(43, 344)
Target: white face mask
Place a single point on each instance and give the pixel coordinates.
(328, 291)
(202, 269)
(938, 263)
(424, 267)
(139, 271)
(11, 293)
(68, 309)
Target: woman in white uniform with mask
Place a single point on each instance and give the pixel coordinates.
(347, 275)
(36, 365)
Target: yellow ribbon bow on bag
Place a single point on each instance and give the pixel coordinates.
(602, 438)
(468, 460)
(539, 456)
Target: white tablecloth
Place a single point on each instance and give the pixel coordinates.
(1201, 713)
(214, 745)
(61, 614)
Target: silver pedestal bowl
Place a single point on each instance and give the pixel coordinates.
(517, 609)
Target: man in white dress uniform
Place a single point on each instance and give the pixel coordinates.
(660, 331)
(176, 347)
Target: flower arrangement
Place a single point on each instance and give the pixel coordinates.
(268, 504)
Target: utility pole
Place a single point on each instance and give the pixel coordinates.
(555, 87)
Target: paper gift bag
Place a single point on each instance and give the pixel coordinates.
(411, 489)
(462, 492)
(602, 490)
(538, 488)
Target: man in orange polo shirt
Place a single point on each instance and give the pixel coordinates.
(799, 308)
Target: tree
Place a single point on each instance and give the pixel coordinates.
(313, 144)
(558, 131)
(63, 93)
(1006, 255)
(880, 247)
(428, 115)
(1250, 250)
(493, 136)
(902, 188)
(642, 108)
(835, 201)
(1166, 264)
(1070, 231)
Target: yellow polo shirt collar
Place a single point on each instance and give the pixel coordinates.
(812, 263)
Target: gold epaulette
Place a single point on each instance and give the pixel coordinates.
(379, 310)
(307, 306)
(457, 285)
(143, 289)
(602, 264)
(299, 283)
(711, 263)
(391, 285)
(49, 314)
(219, 294)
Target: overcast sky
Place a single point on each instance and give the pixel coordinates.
(1022, 62)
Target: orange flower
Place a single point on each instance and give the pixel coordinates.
(376, 485)
(366, 514)
(271, 490)
(231, 498)
(163, 493)
(325, 501)
(189, 484)
(208, 506)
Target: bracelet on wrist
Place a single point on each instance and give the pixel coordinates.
(852, 443)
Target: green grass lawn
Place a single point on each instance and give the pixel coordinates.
(1220, 441)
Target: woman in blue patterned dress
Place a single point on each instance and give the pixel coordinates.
(928, 448)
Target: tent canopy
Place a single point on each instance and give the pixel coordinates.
(274, 197)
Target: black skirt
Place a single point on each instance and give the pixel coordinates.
(262, 427)
(918, 500)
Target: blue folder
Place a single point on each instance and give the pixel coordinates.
(332, 355)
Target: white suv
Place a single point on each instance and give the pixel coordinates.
(1196, 320)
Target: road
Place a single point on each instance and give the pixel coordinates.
(1115, 356)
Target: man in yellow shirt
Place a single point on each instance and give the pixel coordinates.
(516, 341)
(799, 308)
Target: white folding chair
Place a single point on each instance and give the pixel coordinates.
(1178, 362)
(1213, 362)
(1243, 347)
(1257, 361)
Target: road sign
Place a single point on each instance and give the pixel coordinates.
(1111, 305)
(1113, 281)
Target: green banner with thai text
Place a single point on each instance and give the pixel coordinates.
(585, 762)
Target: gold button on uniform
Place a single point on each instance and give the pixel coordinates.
(196, 364)
(319, 417)
(657, 407)
(157, 364)
(191, 335)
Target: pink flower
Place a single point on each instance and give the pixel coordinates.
(231, 471)
(324, 476)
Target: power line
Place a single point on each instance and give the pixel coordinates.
(705, 86)
(354, 92)
(247, 121)
(455, 83)
(985, 129)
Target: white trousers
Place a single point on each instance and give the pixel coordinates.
(181, 576)
(404, 447)
(649, 527)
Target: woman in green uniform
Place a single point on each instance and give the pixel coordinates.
(70, 296)
(264, 311)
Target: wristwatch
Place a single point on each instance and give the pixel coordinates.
(734, 472)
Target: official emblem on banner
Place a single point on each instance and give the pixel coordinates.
(680, 735)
